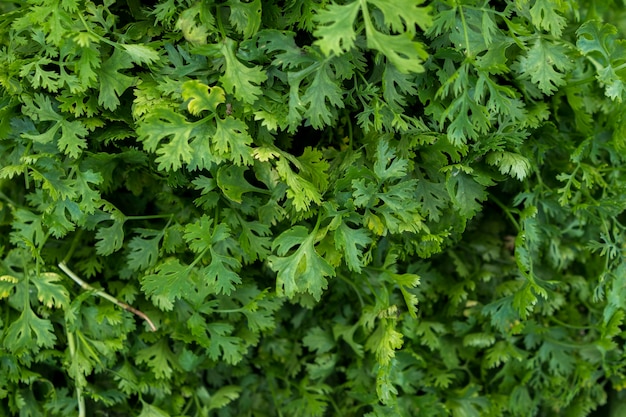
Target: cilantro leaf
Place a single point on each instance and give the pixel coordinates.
(144, 249)
(323, 88)
(232, 140)
(112, 82)
(600, 44)
(201, 97)
(246, 17)
(163, 123)
(466, 193)
(302, 271)
(544, 15)
(546, 65)
(238, 79)
(170, 281)
(140, 54)
(337, 28)
(110, 239)
(510, 163)
(348, 241)
(231, 180)
(27, 332)
(220, 273)
(49, 292)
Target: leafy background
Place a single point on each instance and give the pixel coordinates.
(323, 208)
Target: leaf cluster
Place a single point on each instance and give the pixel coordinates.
(312, 208)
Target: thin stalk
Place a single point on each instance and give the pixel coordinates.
(354, 287)
(271, 387)
(149, 217)
(465, 34)
(73, 246)
(506, 211)
(220, 24)
(350, 134)
(6, 198)
(229, 311)
(79, 390)
(105, 295)
(571, 326)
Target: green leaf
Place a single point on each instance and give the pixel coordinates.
(87, 66)
(395, 85)
(466, 402)
(238, 79)
(40, 108)
(49, 292)
(113, 83)
(352, 242)
(404, 15)
(404, 53)
(72, 140)
(336, 30)
(302, 192)
(86, 187)
(159, 358)
(304, 270)
(432, 197)
(201, 97)
(163, 123)
(220, 273)
(546, 64)
(385, 388)
(149, 410)
(231, 180)
(144, 249)
(319, 340)
(110, 239)
(600, 44)
(324, 88)
(170, 281)
(246, 17)
(429, 333)
(544, 15)
(232, 140)
(224, 396)
(387, 165)
(510, 163)
(222, 344)
(384, 342)
(466, 193)
(141, 54)
(28, 332)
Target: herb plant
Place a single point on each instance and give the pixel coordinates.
(312, 208)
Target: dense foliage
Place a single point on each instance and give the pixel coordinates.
(314, 208)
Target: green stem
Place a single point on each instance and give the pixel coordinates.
(564, 344)
(229, 311)
(332, 402)
(197, 259)
(79, 390)
(73, 246)
(271, 387)
(135, 9)
(350, 133)
(356, 290)
(105, 295)
(465, 34)
(220, 24)
(506, 211)
(90, 31)
(570, 326)
(6, 198)
(148, 217)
